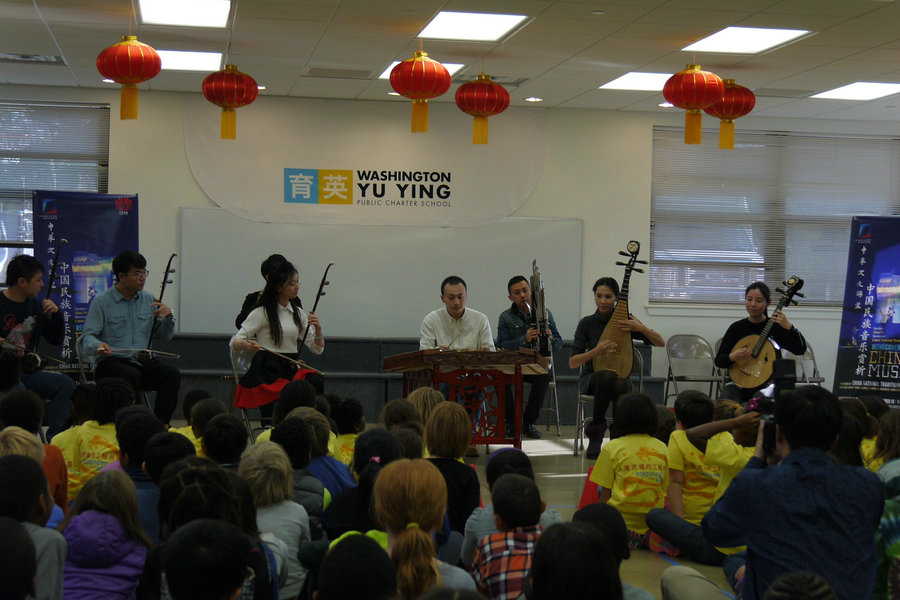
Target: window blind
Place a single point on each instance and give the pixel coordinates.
(779, 204)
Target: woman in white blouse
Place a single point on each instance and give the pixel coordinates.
(277, 325)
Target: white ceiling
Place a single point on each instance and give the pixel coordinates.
(337, 48)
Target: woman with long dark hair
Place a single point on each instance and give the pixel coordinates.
(276, 325)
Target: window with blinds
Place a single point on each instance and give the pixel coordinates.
(779, 204)
(46, 146)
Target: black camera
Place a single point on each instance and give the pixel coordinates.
(785, 378)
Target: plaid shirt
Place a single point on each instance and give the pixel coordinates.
(502, 561)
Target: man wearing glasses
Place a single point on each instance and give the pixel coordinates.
(119, 324)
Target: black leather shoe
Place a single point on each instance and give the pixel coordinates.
(530, 431)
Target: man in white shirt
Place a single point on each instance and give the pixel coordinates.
(455, 327)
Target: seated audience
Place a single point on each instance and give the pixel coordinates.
(25, 497)
(400, 412)
(639, 458)
(201, 414)
(294, 436)
(481, 522)
(207, 560)
(665, 423)
(18, 561)
(357, 568)
(15, 440)
(334, 475)
(293, 395)
(107, 545)
(447, 437)
(574, 560)
(187, 405)
(502, 560)
(807, 513)
(350, 419)
(224, 439)
(410, 440)
(267, 470)
(351, 509)
(83, 397)
(135, 427)
(162, 450)
(410, 499)
(425, 399)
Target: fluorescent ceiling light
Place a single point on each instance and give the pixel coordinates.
(745, 40)
(175, 60)
(190, 13)
(452, 67)
(482, 27)
(861, 90)
(666, 105)
(534, 99)
(642, 82)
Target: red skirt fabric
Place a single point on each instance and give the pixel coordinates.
(267, 375)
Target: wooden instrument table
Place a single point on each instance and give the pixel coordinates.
(477, 379)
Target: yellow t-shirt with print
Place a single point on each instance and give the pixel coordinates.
(867, 449)
(65, 441)
(635, 468)
(188, 432)
(731, 458)
(346, 443)
(95, 447)
(700, 479)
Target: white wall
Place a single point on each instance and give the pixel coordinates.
(598, 169)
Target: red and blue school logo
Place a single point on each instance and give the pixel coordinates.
(123, 205)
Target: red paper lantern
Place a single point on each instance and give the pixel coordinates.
(693, 90)
(230, 89)
(129, 63)
(419, 78)
(481, 98)
(736, 102)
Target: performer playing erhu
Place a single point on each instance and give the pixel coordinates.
(605, 386)
(277, 324)
(22, 319)
(121, 320)
(250, 302)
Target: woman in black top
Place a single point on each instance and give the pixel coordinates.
(757, 299)
(604, 385)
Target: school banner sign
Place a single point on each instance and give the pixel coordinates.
(95, 228)
(350, 162)
(868, 357)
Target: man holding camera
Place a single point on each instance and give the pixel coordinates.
(807, 513)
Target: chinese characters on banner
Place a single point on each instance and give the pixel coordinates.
(868, 358)
(97, 227)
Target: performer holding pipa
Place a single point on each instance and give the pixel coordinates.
(271, 331)
(602, 348)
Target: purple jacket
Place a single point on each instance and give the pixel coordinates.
(102, 562)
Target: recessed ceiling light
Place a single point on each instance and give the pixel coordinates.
(861, 90)
(108, 81)
(642, 82)
(666, 105)
(393, 94)
(260, 87)
(196, 13)
(451, 67)
(534, 99)
(745, 40)
(484, 27)
(175, 60)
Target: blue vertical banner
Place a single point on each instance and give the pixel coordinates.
(868, 357)
(96, 227)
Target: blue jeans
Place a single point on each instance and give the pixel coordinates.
(55, 387)
(685, 536)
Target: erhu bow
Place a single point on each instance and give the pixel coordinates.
(148, 353)
(319, 294)
(32, 360)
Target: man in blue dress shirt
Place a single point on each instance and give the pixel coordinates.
(807, 513)
(119, 323)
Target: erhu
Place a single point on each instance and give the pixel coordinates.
(319, 294)
(539, 317)
(32, 360)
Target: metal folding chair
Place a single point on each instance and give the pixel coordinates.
(809, 369)
(691, 360)
(240, 364)
(637, 368)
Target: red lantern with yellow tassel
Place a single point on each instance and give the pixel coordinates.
(129, 63)
(736, 102)
(419, 78)
(481, 98)
(693, 90)
(230, 89)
